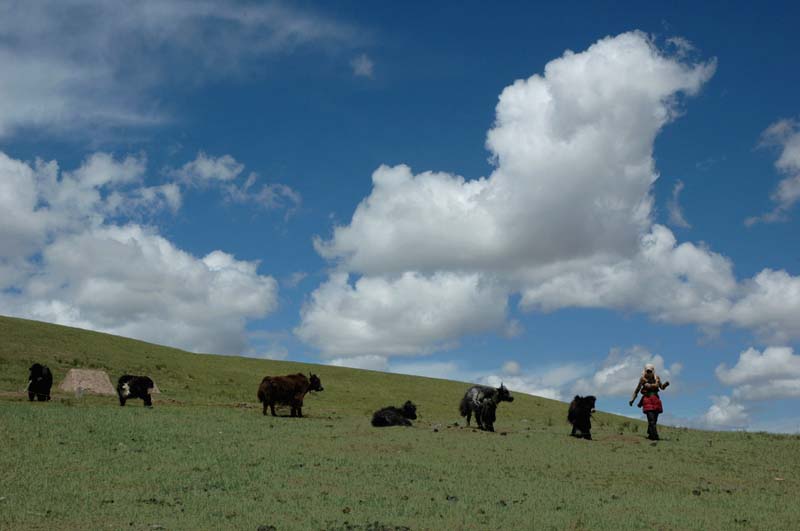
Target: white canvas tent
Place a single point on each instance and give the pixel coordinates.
(87, 381)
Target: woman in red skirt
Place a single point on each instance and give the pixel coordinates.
(650, 385)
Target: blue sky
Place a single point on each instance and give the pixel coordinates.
(549, 196)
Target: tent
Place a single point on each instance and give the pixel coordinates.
(87, 381)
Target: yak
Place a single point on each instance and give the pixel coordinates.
(40, 380)
(287, 390)
(395, 416)
(130, 386)
(580, 416)
(483, 401)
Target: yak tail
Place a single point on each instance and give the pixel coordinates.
(463, 407)
(262, 396)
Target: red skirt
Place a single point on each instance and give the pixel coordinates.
(652, 403)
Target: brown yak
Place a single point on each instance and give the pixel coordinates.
(287, 390)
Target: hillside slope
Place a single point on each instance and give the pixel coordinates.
(205, 458)
(194, 379)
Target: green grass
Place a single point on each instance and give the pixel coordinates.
(205, 458)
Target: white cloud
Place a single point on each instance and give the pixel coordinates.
(67, 263)
(511, 368)
(674, 283)
(724, 413)
(554, 382)
(269, 196)
(24, 220)
(770, 304)
(770, 375)
(572, 187)
(224, 171)
(620, 373)
(87, 65)
(204, 169)
(676, 216)
(274, 352)
(132, 282)
(785, 134)
(565, 219)
(295, 279)
(682, 45)
(524, 384)
(406, 315)
(370, 362)
(447, 370)
(363, 66)
(572, 158)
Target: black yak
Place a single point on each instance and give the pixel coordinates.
(483, 400)
(287, 390)
(130, 386)
(40, 380)
(395, 416)
(580, 416)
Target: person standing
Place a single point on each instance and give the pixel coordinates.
(649, 385)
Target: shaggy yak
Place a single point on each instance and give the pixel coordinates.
(580, 416)
(395, 416)
(483, 401)
(287, 390)
(40, 380)
(130, 386)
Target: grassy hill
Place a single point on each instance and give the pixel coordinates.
(205, 458)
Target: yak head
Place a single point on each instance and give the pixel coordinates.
(503, 394)
(36, 372)
(315, 384)
(583, 403)
(588, 402)
(409, 410)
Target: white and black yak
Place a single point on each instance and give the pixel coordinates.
(130, 386)
(483, 401)
(40, 380)
(395, 416)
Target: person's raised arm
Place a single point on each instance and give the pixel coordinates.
(636, 392)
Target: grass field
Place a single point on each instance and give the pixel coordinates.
(205, 458)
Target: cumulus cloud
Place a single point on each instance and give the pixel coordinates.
(676, 283)
(784, 134)
(621, 370)
(72, 264)
(69, 65)
(408, 314)
(565, 219)
(571, 190)
(553, 381)
(676, 216)
(363, 66)
(768, 375)
(770, 304)
(573, 150)
(724, 413)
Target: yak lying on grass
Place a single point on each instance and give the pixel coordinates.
(580, 416)
(130, 386)
(287, 390)
(483, 401)
(395, 416)
(40, 380)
